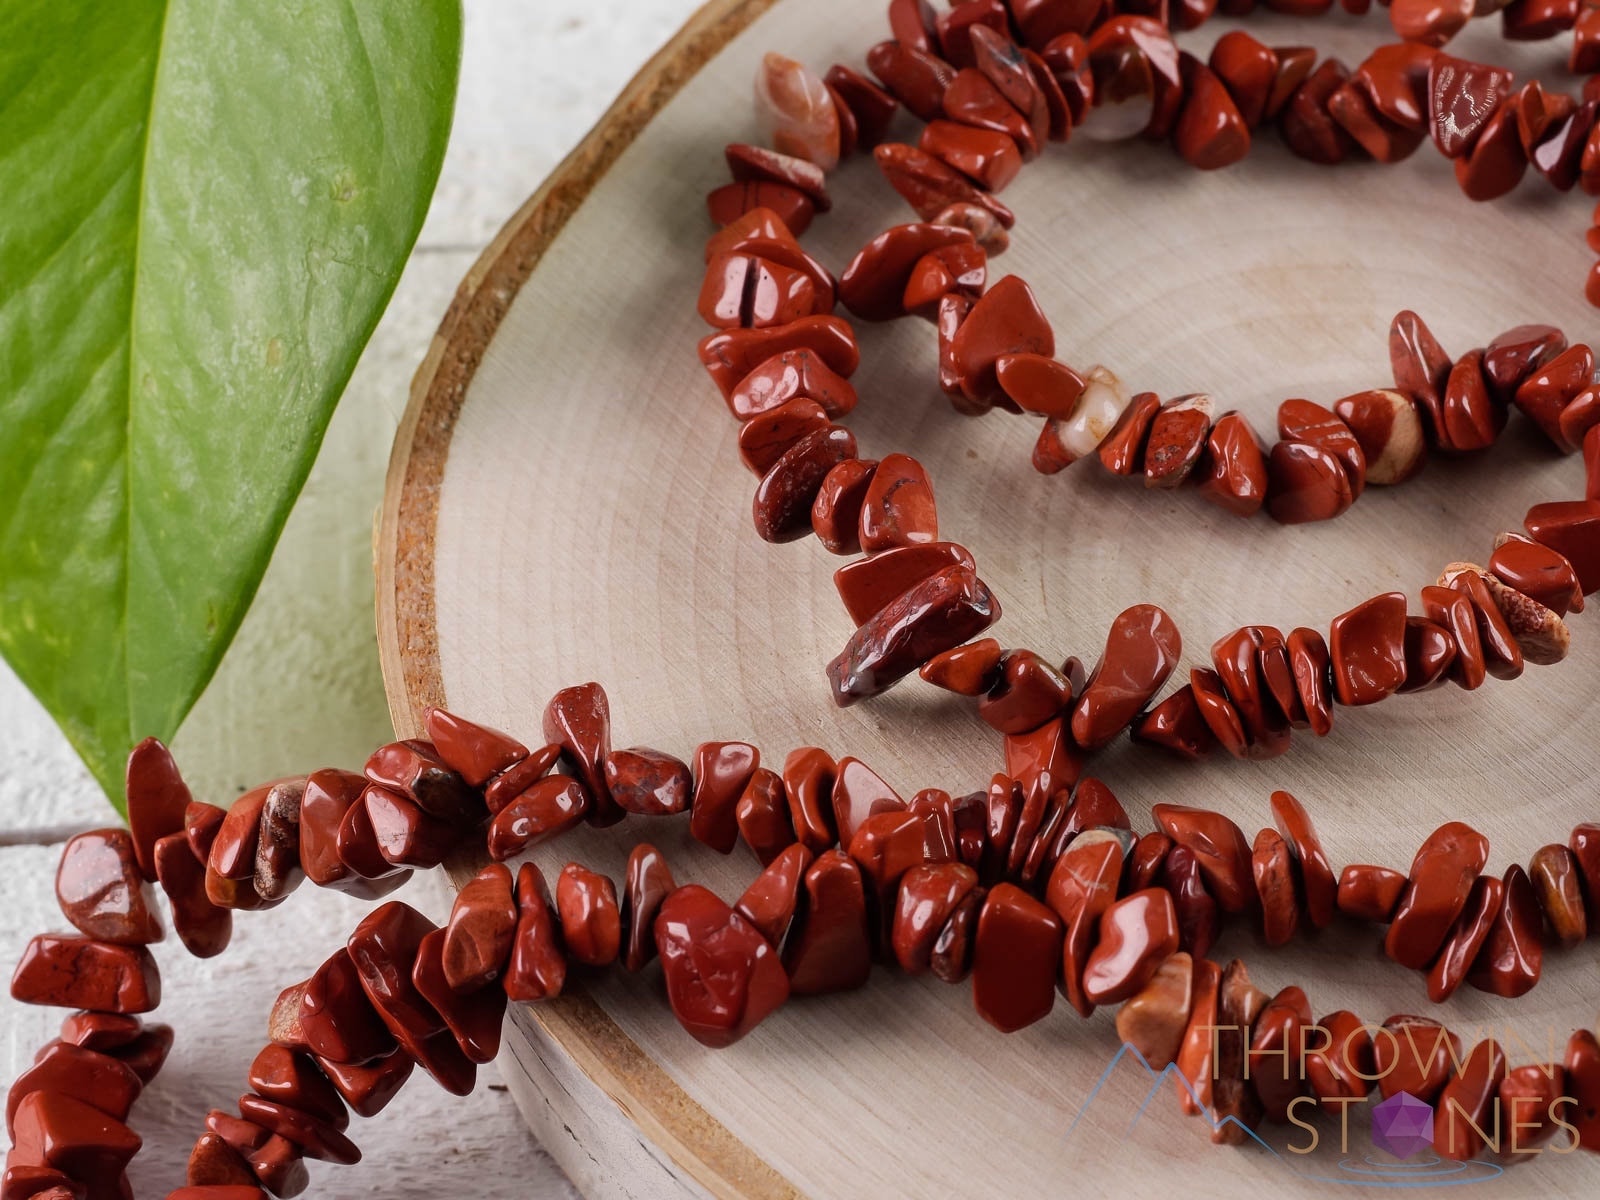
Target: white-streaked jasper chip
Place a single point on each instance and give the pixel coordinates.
(796, 111)
(1096, 413)
(977, 220)
(1454, 571)
(1404, 445)
(1197, 402)
(1540, 634)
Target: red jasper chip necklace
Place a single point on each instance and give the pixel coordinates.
(1036, 886)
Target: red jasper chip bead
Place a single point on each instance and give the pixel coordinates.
(104, 1031)
(1465, 1103)
(1369, 893)
(1513, 954)
(720, 770)
(1137, 934)
(482, 926)
(96, 1079)
(969, 670)
(1441, 879)
(648, 782)
(475, 752)
(1006, 320)
(1028, 693)
(648, 882)
(1305, 483)
(473, 1019)
(538, 967)
(836, 512)
(1177, 726)
(1016, 956)
(75, 972)
(1572, 529)
(1234, 467)
(1037, 383)
(781, 509)
(868, 585)
(52, 1129)
(1273, 866)
(549, 808)
(1367, 649)
(204, 929)
(292, 1078)
(1220, 848)
(916, 77)
(1316, 876)
(899, 507)
(941, 612)
(101, 890)
(337, 1022)
(157, 800)
(1538, 573)
(1308, 129)
(770, 902)
(1210, 132)
(591, 920)
(832, 949)
(1275, 1054)
(762, 814)
(928, 896)
(415, 770)
(1142, 649)
(1465, 939)
(722, 976)
(1248, 70)
(764, 438)
(578, 719)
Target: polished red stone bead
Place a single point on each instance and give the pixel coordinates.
(482, 926)
(101, 890)
(1466, 1117)
(475, 752)
(720, 770)
(473, 1019)
(1308, 129)
(157, 800)
(862, 104)
(1122, 450)
(899, 507)
(75, 972)
(647, 883)
(1176, 439)
(1497, 161)
(1037, 383)
(770, 902)
(1343, 1066)
(762, 814)
(591, 919)
(732, 201)
(292, 1078)
(1177, 726)
(1234, 467)
(336, 1020)
(832, 948)
(1572, 529)
(969, 670)
(1582, 1062)
(1275, 1062)
(1196, 1059)
(1369, 893)
(914, 75)
(931, 186)
(1082, 886)
(1440, 881)
(781, 509)
(549, 808)
(927, 898)
(1465, 939)
(836, 512)
(415, 770)
(538, 966)
(1142, 648)
(1316, 876)
(648, 782)
(791, 375)
(1388, 429)
(96, 1079)
(406, 835)
(1210, 132)
(1220, 848)
(578, 719)
(1305, 483)
(1137, 934)
(765, 437)
(1248, 69)
(1273, 867)
(1028, 693)
(722, 976)
(1015, 959)
(1367, 649)
(204, 929)
(52, 1129)
(942, 611)
(1512, 957)
(868, 585)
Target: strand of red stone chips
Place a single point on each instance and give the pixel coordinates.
(944, 885)
(851, 875)
(782, 360)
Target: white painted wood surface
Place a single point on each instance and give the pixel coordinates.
(301, 684)
(623, 553)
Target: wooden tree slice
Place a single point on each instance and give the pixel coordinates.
(565, 503)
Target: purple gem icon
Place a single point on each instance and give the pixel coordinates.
(1402, 1125)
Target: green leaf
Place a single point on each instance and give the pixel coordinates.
(204, 207)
